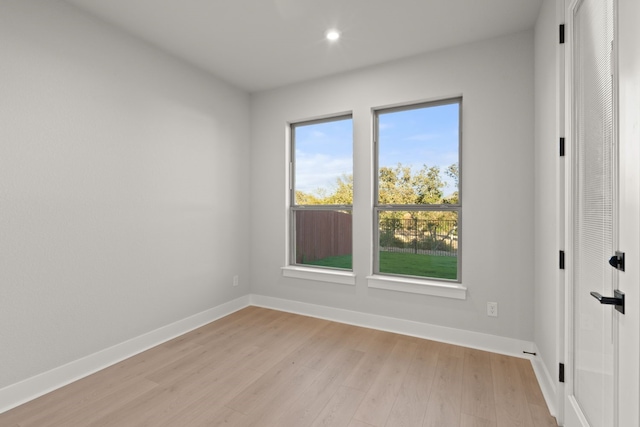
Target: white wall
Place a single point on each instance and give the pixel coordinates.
(496, 79)
(548, 290)
(124, 189)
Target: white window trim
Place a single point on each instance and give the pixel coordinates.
(398, 284)
(418, 286)
(320, 275)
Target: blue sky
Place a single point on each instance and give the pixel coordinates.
(414, 137)
(324, 152)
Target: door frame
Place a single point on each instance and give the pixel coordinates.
(574, 416)
(628, 70)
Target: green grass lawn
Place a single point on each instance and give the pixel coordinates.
(442, 267)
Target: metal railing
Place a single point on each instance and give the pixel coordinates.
(419, 236)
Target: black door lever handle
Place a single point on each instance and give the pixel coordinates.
(617, 261)
(617, 300)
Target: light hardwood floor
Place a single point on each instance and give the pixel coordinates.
(260, 367)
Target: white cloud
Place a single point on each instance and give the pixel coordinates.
(320, 171)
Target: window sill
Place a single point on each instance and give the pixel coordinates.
(417, 286)
(320, 275)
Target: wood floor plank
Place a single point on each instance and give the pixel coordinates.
(340, 409)
(133, 412)
(53, 413)
(472, 421)
(477, 395)
(343, 336)
(358, 423)
(272, 383)
(207, 401)
(213, 415)
(445, 399)
(261, 367)
(283, 328)
(281, 399)
(302, 333)
(148, 361)
(381, 396)
(541, 416)
(320, 346)
(247, 329)
(453, 350)
(80, 393)
(218, 328)
(311, 402)
(218, 383)
(512, 408)
(233, 346)
(410, 405)
(168, 402)
(376, 347)
(182, 366)
(530, 383)
(103, 406)
(228, 328)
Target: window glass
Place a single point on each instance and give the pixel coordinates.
(323, 162)
(322, 193)
(418, 191)
(419, 243)
(418, 155)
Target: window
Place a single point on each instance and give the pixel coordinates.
(417, 209)
(322, 193)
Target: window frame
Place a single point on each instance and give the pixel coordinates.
(292, 265)
(378, 208)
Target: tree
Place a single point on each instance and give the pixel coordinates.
(428, 185)
(343, 194)
(453, 172)
(397, 185)
(303, 198)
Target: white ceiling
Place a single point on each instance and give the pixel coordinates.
(263, 44)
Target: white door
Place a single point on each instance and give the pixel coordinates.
(602, 359)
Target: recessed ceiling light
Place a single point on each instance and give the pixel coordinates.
(333, 35)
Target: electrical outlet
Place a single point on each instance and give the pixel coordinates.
(492, 309)
(235, 280)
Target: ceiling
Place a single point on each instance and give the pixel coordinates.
(263, 44)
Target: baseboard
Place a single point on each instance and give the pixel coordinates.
(477, 340)
(31, 388)
(547, 384)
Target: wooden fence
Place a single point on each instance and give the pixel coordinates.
(322, 234)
